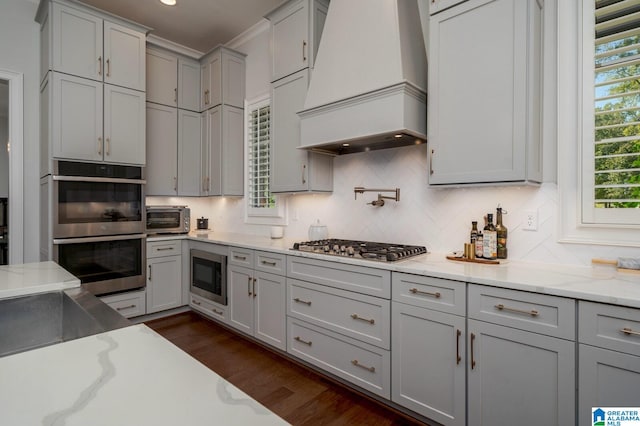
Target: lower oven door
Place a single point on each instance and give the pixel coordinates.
(104, 264)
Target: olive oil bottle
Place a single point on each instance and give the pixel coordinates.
(489, 243)
(501, 234)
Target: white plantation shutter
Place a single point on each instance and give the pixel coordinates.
(611, 166)
(260, 199)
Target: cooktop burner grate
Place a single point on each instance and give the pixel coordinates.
(381, 252)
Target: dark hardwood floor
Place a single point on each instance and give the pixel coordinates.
(295, 393)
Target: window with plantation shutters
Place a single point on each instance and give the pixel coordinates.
(611, 149)
(258, 161)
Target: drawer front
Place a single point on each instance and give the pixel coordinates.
(164, 248)
(240, 257)
(428, 292)
(375, 282)
(355, 315)
(270, 262)
(128, 304)
(549, 315)
(363, 365)
(208, 308)
(611, 327)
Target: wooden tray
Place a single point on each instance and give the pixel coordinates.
(464, 259)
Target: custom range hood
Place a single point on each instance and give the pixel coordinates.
(368, 86)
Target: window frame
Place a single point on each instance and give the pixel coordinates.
(575, 112)
(260, 216)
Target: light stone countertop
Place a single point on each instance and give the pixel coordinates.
(130, 376)
(594, 283)
(31, 278)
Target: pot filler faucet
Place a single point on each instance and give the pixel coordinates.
(380, 201)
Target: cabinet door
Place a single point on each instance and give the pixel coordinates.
(124, 125)
(428, 363)
(162, 78)
(478, 114)
(188, 84)
(290, 38)
(77, 118)
(124, 53)
(162, 133)
(289, 165)
(519, 377)
(232, 151)
(77, 43)
(189, 161)
(269, 309)
(606, 379)
(211, 84)
(241, 298)
(212, 152)
(232, 80)
(164, 283)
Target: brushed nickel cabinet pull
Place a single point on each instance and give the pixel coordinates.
(426, 293)
(255, 293)
(235, 256)
(431, 162)
(249, 286)
(298, 339)
(208, 184)
(264, 262)
(206, 97)
(304, 50)
(308, 303)
(473, 361)
(357, 364)
(175, 95)
(532, 312)
(304, 167)
(628, 331)
(458, 357)
(99, 145)
(149, 273)
(99, 65)
(164, 248)
(195, 302)
(175, 183)
(204, 184)
(215, 311)
(108, 68)
(122, 308)
(107, 149)
(356, 317)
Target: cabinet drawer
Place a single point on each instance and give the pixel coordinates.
(163, 248)
(208, 308)
(375, 282)
(428, 292)
(270, 262)
(550, 315)
(240, 257)
(128, 305)
(364, 365)
(611, 327)
(355, 315)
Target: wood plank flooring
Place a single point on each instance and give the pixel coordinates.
(295, 393)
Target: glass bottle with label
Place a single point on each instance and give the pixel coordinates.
(501, 234)
(489, 243)
(479, 244)
(474, 232)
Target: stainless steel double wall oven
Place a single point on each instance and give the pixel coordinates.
(98, 224)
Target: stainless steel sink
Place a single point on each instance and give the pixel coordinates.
(30, 322)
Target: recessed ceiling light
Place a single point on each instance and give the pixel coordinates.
(397, 136)
(345, 144)
(169, 2)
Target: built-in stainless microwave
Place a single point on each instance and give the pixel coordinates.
(168, 219)
(209, 276)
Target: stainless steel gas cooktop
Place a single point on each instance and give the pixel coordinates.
(381, 252)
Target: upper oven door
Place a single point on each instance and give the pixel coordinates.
(97, 205)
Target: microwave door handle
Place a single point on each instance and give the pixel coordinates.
(98, 239)
(97, 179)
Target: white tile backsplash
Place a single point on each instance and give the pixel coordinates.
(439, 218)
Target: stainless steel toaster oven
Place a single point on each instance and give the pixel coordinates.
(168, 220)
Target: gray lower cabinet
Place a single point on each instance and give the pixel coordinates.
(514, 375)
(164, 275)
(608, 358)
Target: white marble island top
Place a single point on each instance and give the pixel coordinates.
(31, 278)
(131, 376)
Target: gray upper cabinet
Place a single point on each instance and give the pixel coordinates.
(189, 151)
(188, 84)
(162, 77)
(161, 172)
(484, 93)
(222, 78)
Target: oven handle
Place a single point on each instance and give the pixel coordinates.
(97, 179)
(98, 239)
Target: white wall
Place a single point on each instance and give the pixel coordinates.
(19, 52)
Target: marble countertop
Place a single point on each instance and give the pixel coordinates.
(31, 278)
(131, 376)
(596, 283)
